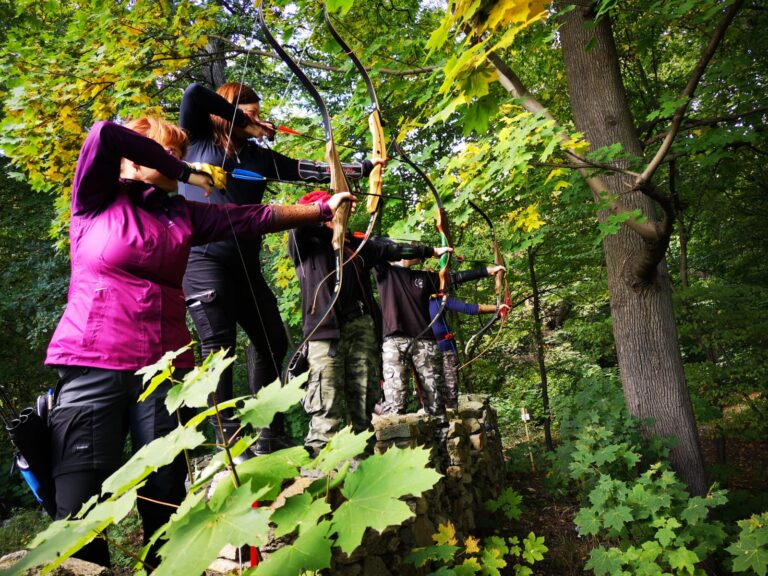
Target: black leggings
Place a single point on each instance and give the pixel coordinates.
(219, 297)
(94, 411)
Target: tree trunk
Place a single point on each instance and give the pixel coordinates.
(216, 71)
(538, 338)
(643, 322)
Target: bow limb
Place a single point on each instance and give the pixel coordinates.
(445, 240)
(502, 292)
(375, 125)
(338, 180)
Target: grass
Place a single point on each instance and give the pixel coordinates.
(17, 531)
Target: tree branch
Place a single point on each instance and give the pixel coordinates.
(690, 88)
(710, 122)
(311, 64)
(514, 86)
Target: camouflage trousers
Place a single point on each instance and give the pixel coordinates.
(425, 360)
(343, 381)
(451, 378)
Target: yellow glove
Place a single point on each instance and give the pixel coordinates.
(217, 174)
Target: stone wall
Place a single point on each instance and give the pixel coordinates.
(468, 453)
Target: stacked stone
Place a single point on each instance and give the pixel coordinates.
(467, 452)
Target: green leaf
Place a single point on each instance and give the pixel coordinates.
(65, 537)
(299, 511)
(420, 556)
(372, 493)
(534, 548)
(150, 457)
(683, 559)
(492, 561)
(605, 562)
(750, 550)
(342, 6)
(615, 518)
(310, 551)
(267, 470)
(588, 522)
(160, 371)
(195, 544)
(508, 502)
(469, 567)
(344, 445)
(260, 411)
(199, 383)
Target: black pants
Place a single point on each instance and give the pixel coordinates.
(94, 411)
(219, 297)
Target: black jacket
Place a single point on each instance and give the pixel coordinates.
(313, 258)
(405, 296)
(197, 106)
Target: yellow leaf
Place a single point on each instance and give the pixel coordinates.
(553, 174)
(472, 545)
(446, 534)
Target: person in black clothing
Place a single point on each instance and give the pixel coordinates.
(224, 285)
(343, 351)
(405, 296)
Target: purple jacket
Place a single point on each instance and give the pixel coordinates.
(129, 244)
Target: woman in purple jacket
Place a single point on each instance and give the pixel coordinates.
(129, 244)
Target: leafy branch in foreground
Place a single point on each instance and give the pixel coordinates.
(370, 495)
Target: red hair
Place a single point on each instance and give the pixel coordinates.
(164, 133)
(234, 93)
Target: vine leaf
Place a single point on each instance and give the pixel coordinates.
(259, 411)
(300, 510)
(373, 492)
(211, 526)
(64, 537)
(199, 383)
(150, 457)
(310, 551)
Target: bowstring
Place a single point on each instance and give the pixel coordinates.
(279, 106)
(232, 227)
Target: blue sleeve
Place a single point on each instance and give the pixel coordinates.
(455, 305)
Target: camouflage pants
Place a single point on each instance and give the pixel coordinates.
(343, 381)
(451, 378)
(425, 359)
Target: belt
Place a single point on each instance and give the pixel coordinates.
(353, 312)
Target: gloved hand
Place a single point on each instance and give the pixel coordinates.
(217, 174)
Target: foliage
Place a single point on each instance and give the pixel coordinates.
(723, 334)
(658, 525)
(508, 502)
(20, 528)
(100, 62)
(487, 557)
(370, 496)
(598, 436)
(750, 551)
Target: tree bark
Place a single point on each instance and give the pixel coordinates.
(643, 322)
(216, 71)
